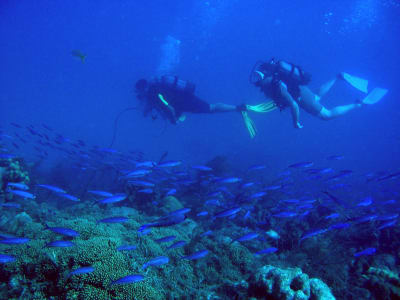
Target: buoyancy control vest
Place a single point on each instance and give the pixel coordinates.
(174, 83)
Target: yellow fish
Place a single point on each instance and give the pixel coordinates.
(79, 55)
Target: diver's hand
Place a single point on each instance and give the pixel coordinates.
(298, 125)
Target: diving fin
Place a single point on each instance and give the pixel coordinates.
(358, 83)
(375, 96)
(262, 107)
(249, 124)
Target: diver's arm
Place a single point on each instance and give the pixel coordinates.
(173, 118)
(294, 107)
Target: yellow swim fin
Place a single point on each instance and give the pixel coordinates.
(262, 107)
(251, 127)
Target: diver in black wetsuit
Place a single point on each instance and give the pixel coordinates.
(170, 97)
(286, 85)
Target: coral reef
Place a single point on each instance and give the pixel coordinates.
(287, 284)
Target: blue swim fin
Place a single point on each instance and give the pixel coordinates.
(375, 96)
(358, 83)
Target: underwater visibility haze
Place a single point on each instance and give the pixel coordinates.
(221, 149)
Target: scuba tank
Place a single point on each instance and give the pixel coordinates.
(174, 82)
(280, 70)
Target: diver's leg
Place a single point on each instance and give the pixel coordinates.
(328, 114)
(222, 107)
(326, 87)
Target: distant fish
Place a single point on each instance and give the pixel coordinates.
(100, 193)
(22, 194)
(168, 164)
(51, 188)
(69, 197)
(365, 202)
(228, 212)
(312, 234)
(256, 167)
(155, 262)
(18, 185)
(196, 255)
(14, 241)
(368, 251)
(63, 231)
(10, 204)
(113, 199)
(79, 54)
(206, 233)
(229, 180)
(257, 195)
(114, 220)
(141, 183)
(138, 173)
(339, 226)
(247, 237)
(80, 271)
(303, 164)
(335, 157)
(146, 191)
(202, 168)
(266, 251)
(202, 213)
(4, 259)
(60, 244)
(126, 248)
(128, 279)
(177, 244)
(387, 224)
(285, 214)
(165, 239)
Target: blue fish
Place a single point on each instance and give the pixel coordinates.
(63, 231)
(202, 168)
(165, 239)
(128, 279)
(196, 255)
(60, 244)
(114, 220)
(113, 199)
(303, 164)
(69, 197)
(285, 214)
(4, 259)
(18, 185)
(266, 251)
(202, 213)
(14, 241)
(247, 237)
(228, 212)
(51, 188)
(177, 244)
(100, 193)
(313, 233)
(155, 262)
(22, 194)
(368, 251)
(82, 270)
(387, 224)
(11, 204)
(126, 248)
(168, 164)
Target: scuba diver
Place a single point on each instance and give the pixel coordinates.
(170, 97)
(286, 85)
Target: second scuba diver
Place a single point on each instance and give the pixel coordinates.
(286, 85)
(170, 97)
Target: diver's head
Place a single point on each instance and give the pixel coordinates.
(141, 88)
(261, 70)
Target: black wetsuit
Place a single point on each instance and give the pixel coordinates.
(181, 100)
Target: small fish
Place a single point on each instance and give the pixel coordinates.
(273, 187)
(180, 211)
(229, 180)
(168, 164)
(146, 191)
(79, 54)
(14, 241)
(60, 244)
(313, 233)
(155, 262)
(246, 237)
(69, 197)
(335, 157)
(100, 193)
(206, 233)
(63, 231)
(339, 226)
(128, 279)
(303, 164)
(285, 214)
(126, 248)
(171, 192)
(177, 244)
(165, 239)
(368, 251)
(114, 199)
(196, 255)
(272, 234)
(256, 167)
(18, 185)
(82, 270)
(52, 188)
(257, 195)
(141, 183)
(202, 168)
(114, 220)
(4, 259)
(11, 204)
(387, 224)
(227, 213)
(138, 173)
(332, 216)
(365, 202)
(266, 251)
(22, 194)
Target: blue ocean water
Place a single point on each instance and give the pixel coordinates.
(58, 118)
